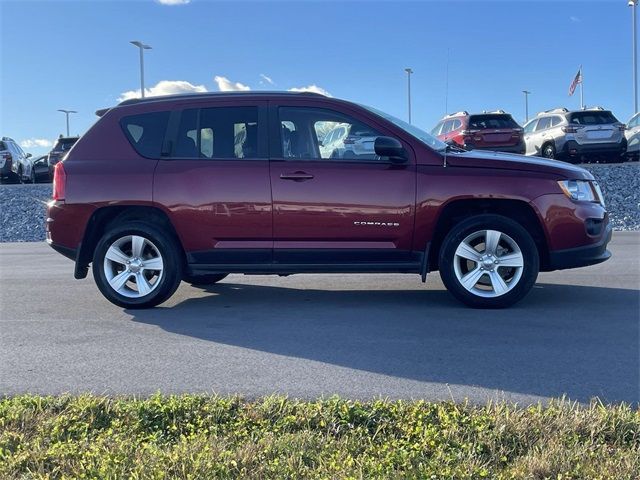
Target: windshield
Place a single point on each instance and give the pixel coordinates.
(62, 145)
(414, 131)
(592, 118)
(482, 122)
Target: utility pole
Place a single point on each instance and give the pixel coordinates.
(409, 72)
(67, 112)
(142, 47)
(526, 104)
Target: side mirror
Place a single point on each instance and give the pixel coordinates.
(391, 148)
(28, 155)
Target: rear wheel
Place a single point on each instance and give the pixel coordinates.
(549, 151)
(32, 177)
(198, 280)
(489, 261)
(137, 265)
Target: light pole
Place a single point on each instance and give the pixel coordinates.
(67, 112)
(142, 47)
(526, 104)
(634, 4)
(409, 72)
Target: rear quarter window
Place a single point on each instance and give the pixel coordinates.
(146, 132)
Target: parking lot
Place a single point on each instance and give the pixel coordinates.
(359, 336)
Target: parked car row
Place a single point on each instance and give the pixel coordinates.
(574, 136)
(16, 166)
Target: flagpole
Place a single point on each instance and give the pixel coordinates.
(581, 92)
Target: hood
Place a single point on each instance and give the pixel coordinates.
(509, 161)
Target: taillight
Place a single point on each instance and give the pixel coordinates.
(7, 156)
(569, 129)
(59, 182)
(517, 133)
(622, 127)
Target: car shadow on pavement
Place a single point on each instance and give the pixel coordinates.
(561, 340)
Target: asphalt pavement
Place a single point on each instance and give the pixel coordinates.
(359, 336)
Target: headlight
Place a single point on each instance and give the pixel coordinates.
(582, 190)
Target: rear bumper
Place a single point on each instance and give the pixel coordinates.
(70, 253)
(573, 149)
(582, 256)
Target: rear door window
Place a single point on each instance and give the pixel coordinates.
(218, 133)
(146, 132)
(543, 124)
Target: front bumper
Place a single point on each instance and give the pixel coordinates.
(582, 256)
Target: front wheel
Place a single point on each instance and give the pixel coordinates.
(137, 265)
(489, 261)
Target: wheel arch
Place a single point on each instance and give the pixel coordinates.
(105, 218)
(458, 210)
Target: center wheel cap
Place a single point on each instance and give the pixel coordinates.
(135, 265)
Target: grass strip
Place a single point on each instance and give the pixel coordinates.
(204, 437)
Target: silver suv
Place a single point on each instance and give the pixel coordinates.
(576, 135)
(15, 165)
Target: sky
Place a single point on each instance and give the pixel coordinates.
(466, 55)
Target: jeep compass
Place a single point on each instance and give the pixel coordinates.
(195, 187)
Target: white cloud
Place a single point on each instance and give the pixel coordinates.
(36, 143)
(267, 79)
(164, 87)
(575, 19)
(226, 85)
(311, 88)
(173, 2)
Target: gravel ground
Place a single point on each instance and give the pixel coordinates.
(22, 207)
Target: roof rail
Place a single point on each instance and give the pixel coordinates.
(457, 114)
(494, 111)
(180, 96)
(7, 139)
(596, 107)
(554, 110)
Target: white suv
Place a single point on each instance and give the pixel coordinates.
(15, 165)
(576, 135)
(632, 134)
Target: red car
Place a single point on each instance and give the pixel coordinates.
(194, 187)
(496, 131)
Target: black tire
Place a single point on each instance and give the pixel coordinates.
(548, 150)
(19, 178)
(32, 178)
(172, 259)
(530, 257)
(203, 280)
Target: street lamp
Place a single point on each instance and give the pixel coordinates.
(634, 4)
(142, 47)
(67, 112)
(526, 104)
(409, 72)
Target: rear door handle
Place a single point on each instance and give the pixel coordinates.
(296, 176)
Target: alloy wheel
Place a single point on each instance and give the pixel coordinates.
(133, 266)
(488, 263)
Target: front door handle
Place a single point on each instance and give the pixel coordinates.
(296, 176)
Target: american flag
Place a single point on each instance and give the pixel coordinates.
(576, 80)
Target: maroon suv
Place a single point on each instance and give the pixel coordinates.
(195, 187)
